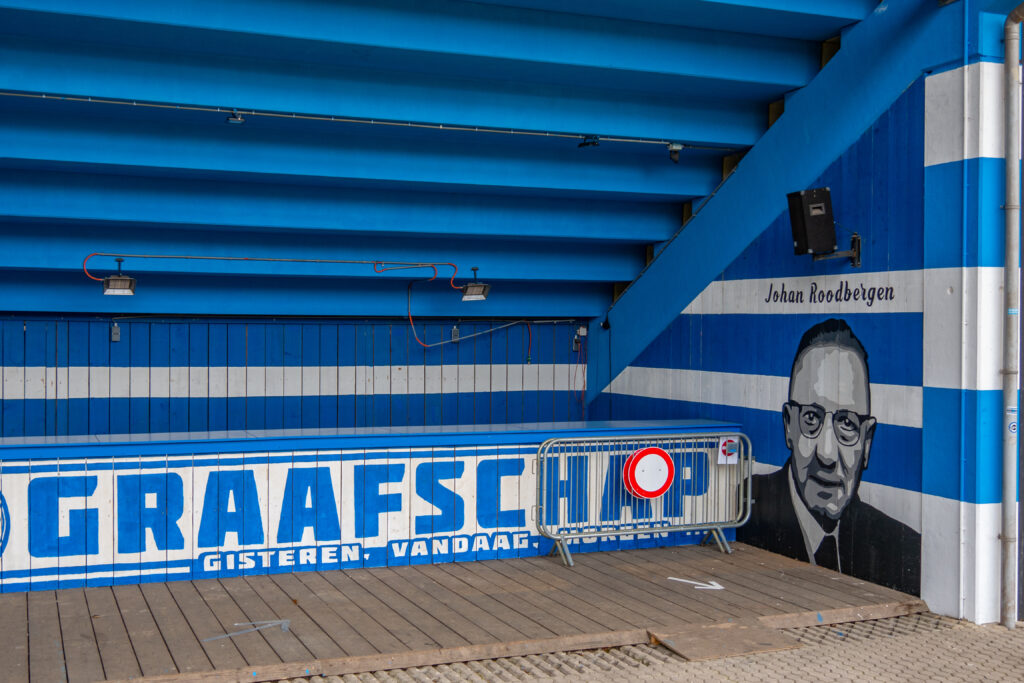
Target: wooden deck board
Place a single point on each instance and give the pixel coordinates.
(150, 650)
(314, 586)
(560, 617)
(378, 582)
(396, 623)
(222, 652)
(558, 620)
(81, 652)
(319, 644)
(46, 649)
(778, 577)
(252, 646)
(287, 646)
(115, 647)
(623, 589)
(488, 602)
(712, 572)
(14, 653)
(449, 608)
(578, 594)
(654, 581)
(181, 642)
(616, 599)
(367, 619)
(347, 638)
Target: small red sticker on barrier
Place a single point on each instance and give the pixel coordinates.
(728, 450)
(649, 472)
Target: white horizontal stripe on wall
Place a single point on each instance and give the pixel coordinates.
(890, 403)
(757, 296)
(238, 382)
(953, 134)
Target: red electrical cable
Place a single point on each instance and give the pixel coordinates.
(408, 309)
(87, 273)
(455, 269)
(529, 344)
(378, 267)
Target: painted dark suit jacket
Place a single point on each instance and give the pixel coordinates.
(872, 545)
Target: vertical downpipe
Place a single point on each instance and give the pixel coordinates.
(1011, 323)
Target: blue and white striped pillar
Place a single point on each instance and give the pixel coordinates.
(963, 298)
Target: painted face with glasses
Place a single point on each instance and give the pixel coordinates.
(828, 426)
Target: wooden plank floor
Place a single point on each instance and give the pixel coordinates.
(366, 619)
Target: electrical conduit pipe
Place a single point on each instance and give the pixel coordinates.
(1011, 322)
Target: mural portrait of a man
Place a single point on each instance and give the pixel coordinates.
(810, 508)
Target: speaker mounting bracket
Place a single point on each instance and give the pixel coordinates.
(853, 253)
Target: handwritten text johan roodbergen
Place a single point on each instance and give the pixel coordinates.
(841, 293)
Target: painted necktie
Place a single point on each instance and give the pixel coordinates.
(827, 554)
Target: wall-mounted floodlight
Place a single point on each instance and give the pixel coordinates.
(120, 284)
(475, 291)
(814, 228)
(235, 118)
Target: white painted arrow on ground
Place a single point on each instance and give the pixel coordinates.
(710, 586)
(256, 626)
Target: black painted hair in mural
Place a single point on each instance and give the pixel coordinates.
(832, 332)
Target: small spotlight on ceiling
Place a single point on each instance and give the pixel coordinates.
(235, 118)
(590, 141)
(674, 148)
(475, 291)
(120, 284)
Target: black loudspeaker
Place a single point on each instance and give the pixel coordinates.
(810, 215)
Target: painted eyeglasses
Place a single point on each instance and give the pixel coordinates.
(845, 423)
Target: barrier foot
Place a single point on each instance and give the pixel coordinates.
(716, 533)
(562, 550)
(723, 543)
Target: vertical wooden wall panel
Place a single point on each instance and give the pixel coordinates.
(255, 376)
(346, 375)
(217, 353)
(179, 377)
(160, 377)
(139, 379)
(13, 378)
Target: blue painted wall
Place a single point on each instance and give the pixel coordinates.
(729, 354)
(66, 376)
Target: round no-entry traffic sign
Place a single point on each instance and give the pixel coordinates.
(648, 473)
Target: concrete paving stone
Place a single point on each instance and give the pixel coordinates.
(917, 648)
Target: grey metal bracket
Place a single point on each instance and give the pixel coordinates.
(853, 253)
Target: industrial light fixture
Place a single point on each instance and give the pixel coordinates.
(674, 148)
(120, 284)
(589, 141)
(475, 291)
(235, 118)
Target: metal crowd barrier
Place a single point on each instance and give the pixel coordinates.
(582, 492)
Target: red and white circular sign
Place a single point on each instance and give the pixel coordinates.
(649, 472)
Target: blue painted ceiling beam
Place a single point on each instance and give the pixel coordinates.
(677, 114)
(272, 206)
(530, 212)
(461, 38)
(807, 19)
(53, 133)
(881, 57)
(45, 246)
(279, 296)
